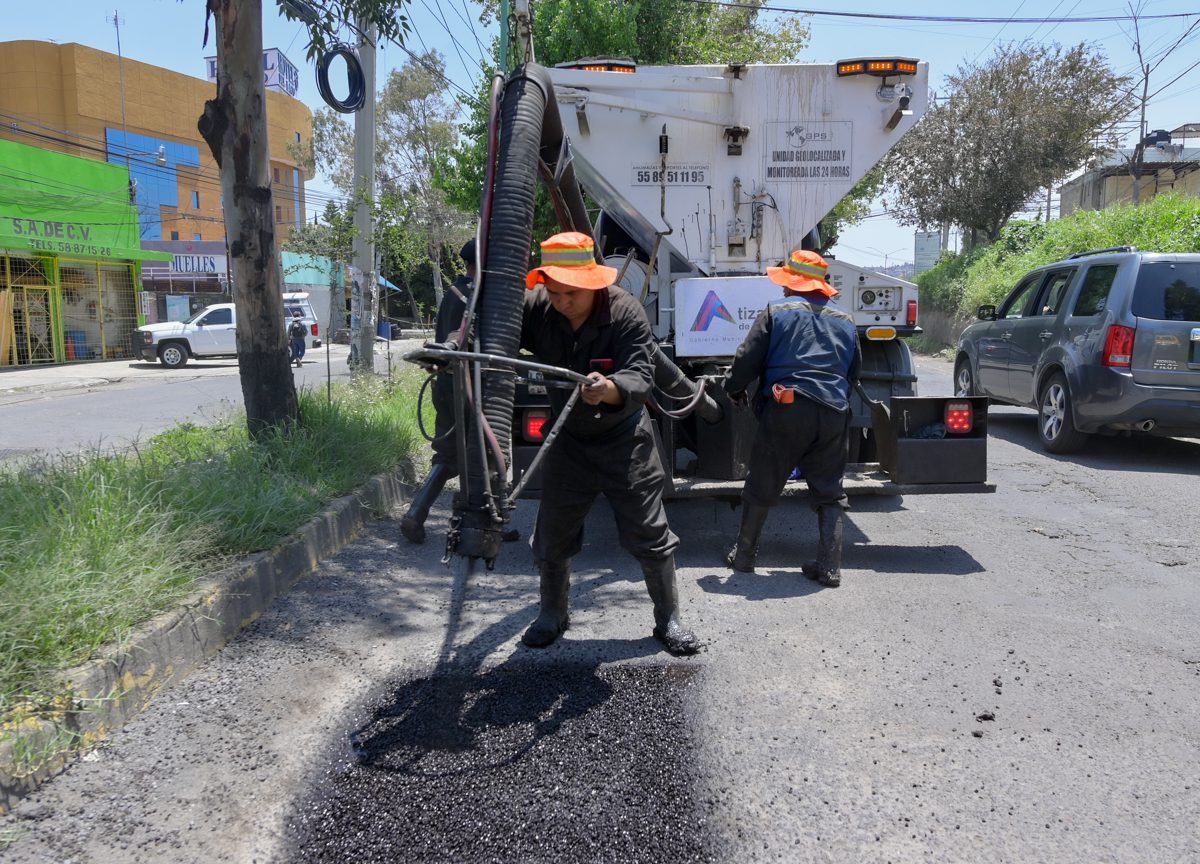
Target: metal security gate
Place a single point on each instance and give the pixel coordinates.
(98, 311)
(27, 332)
(65, 310)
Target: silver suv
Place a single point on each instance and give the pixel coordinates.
(1106, 341)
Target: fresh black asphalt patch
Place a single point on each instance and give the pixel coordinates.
(528, 763)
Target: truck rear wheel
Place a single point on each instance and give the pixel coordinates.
(173, 355)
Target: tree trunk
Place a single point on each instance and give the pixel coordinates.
(235, 128)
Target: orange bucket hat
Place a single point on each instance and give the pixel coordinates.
(803, 271)
(570, 258)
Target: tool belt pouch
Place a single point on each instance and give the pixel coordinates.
(783, 395)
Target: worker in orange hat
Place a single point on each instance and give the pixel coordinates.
(574, 317)
(803, 351)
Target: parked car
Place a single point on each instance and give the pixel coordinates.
(1105, 341)
(210, 333)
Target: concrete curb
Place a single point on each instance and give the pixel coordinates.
(107, 692)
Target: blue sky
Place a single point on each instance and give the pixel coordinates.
(169, 33)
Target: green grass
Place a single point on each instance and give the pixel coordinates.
(92, 545)
(961, 283)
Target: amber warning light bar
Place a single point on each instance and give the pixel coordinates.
(882, 67)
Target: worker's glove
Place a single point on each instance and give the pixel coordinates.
(430, 363)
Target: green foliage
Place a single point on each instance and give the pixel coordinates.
(91, 545)
(853, 208)
(961, 283)
(1007, 129)
(329, 20)
(332, 238)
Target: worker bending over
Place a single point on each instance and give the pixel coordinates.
(803, 350)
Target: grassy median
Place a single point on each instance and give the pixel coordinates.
(91, 545)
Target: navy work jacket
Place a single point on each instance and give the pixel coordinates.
(804, 342)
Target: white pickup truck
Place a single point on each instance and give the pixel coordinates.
(211, 332)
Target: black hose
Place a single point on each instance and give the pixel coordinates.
(357, 97)
(672, 381)
(530, 133)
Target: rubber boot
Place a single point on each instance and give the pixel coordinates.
(412, 526)
(553, 619)
(668, 629)
(827, 569)
(744, 553)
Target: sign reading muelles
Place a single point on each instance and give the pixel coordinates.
(801, 150)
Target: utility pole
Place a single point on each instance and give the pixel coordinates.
(115, 20)
(364, 292)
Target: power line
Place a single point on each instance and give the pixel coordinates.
(943, 19)
(466, 19)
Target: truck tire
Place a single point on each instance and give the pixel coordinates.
(1056, 417)
(173, 355)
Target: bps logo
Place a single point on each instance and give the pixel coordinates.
(711, 309)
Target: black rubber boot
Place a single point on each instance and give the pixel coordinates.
(827, 569)
(744, 553)
(668, 629)
(412, 526)
(553, 619)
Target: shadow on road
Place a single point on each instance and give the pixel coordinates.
(1137, 452)
(767, 583)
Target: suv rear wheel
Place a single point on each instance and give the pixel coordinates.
(1056, 418)
(173, 355)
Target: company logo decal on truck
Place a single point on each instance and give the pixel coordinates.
(711, 309)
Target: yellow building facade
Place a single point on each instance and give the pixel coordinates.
(69, 98)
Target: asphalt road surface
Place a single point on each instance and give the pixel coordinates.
(1003, 677)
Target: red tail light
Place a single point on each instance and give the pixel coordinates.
(533, 424)
(1118, 346)
(314, 328)
(911, 318)
(959, 418)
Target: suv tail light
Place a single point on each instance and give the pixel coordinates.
(1118, 346)
(911, 316)
(314, 328)
(959, 418)
(533, 424)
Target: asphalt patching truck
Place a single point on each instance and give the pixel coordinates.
(701, 177)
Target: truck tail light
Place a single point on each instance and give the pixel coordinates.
(314, 329)
(959, 418)
(1118, 346)
(910, 317)
(533, 424)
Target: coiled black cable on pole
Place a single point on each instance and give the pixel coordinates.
(357, 96)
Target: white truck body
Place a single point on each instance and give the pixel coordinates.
(755, 156)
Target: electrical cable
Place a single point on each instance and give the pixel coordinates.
(942, 19)
(357, 97)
